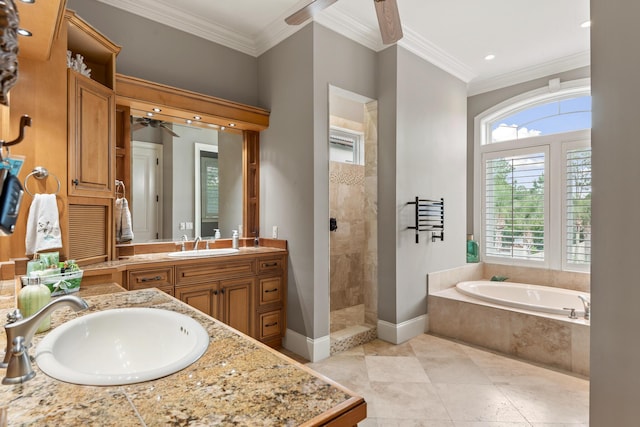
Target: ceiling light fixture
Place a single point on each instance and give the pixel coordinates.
(232, 125)
(149, 114)
(189, 121)
(24, 32)
(222, 128)
(490, 57)
(586, 24)
(196, 117)
(157, 110)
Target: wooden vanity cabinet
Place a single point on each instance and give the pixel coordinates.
(247, 293)
(161, 278)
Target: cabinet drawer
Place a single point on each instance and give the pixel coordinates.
(270, 265)
(270, 324)
(270, 290)
(206, 272)
(152, 278)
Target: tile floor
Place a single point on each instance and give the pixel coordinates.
(431, 381)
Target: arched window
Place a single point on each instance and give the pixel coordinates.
(533, 178)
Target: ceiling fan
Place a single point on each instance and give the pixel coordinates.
(141, 122)
(387, 11)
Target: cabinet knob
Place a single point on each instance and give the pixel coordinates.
(215, 292)
(75, 181)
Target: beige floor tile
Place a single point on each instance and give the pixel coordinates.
(395, 369)
(382, 348)
(413, 423)
(432, 346)
(408, 401)
(477, 402)
(350, 371)
(489, 424)
(548, 404)
(453, 370)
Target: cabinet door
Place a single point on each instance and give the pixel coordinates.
(237, 304)
(91, 137)
(201, 297)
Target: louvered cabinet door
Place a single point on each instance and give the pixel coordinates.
(90, 232)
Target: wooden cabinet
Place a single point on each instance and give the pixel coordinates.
(247, 293)
(160, 277)
(91, 108)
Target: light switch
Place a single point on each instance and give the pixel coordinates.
(181, 226)
(274, 232)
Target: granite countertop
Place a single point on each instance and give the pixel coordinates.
(133, 260)
(237, 382)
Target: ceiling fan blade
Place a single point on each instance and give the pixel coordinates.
(308, 11)
(167, 129)
(139, 125)
(388, 20)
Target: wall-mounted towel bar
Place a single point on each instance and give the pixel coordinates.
(429, 216)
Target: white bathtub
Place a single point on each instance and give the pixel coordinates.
(529, 297)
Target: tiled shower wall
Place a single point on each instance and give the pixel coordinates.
(348, 243)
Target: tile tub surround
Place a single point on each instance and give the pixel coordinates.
(238, 381)
(551, 340)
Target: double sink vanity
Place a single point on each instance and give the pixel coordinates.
(238, 380)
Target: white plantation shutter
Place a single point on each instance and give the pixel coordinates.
(577, 212)
(515, 200)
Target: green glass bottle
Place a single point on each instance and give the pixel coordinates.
(473, 251)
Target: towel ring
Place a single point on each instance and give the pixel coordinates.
(39, 172)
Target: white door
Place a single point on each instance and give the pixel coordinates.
(146, 192)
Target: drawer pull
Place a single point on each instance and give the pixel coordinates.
(151, 279)
(215, 292)
(268, 325)
(270, 264)
(271, 290)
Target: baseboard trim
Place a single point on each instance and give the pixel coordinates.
(313, 350)
(401, 332)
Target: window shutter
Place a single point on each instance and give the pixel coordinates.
(514, 206)
(578, 206)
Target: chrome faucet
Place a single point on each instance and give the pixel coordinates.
(587, 306)
(20, 332)
(184, 239)
(195, 242)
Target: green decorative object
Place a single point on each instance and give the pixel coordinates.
(499, 278)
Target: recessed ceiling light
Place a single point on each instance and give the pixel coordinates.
(490, 57)
(189, 121)
(232, 125)
(24, 32)
(586, 24)
(222, 127)
(196, 117)
(157, 110)
(150, 114)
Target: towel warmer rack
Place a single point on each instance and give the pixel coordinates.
(429, 216)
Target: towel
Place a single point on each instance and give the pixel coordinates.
(124, 230)
(43, 224)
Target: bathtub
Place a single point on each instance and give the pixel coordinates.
(543, 299)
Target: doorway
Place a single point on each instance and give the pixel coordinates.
(146, 191)
(353, 219)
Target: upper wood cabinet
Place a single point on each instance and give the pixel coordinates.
(91, 111)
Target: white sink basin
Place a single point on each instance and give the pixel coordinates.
(203, 252)
(121, 346)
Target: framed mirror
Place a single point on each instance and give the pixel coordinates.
(182, 125)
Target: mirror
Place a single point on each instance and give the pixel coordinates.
(187, 180)
(197, 194)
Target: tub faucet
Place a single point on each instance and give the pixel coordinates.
(587, 306)
(20, 332)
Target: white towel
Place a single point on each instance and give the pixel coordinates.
(43, 224)
(124, 229)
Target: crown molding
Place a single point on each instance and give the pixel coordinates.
(175, 18)
(349, 27)
(571, 62)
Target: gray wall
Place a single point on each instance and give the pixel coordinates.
(161, 54)
(428, 147)
(615, 348)
(286, 165)
(479, 103)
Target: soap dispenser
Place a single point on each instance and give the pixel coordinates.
(32, 297)
(216, 234)
(235, 239)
